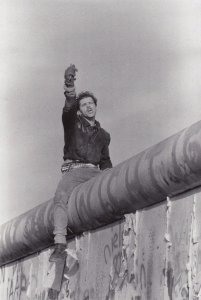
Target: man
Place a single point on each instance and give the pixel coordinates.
(86, 153)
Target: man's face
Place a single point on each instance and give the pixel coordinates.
(87, 108)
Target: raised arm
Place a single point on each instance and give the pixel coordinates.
(70, 109)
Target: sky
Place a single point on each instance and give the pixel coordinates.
(142, 60)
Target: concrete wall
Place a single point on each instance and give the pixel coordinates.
(153, 254)
(164, 170)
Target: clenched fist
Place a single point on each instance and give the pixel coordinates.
(69, 75)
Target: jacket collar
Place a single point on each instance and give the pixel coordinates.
(87, 124)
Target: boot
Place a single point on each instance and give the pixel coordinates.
(59, 253)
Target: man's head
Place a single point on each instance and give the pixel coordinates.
(86, 105)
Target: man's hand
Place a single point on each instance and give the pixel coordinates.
(69, 76)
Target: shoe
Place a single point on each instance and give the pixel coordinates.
(59, 253)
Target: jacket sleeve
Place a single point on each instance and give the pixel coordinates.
(105, 161)
(70, 108)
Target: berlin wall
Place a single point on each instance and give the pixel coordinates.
(150, 251)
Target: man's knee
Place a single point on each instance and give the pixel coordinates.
(61, 196)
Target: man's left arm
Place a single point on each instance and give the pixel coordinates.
(105, 161)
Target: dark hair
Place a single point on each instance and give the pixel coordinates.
(83, 95)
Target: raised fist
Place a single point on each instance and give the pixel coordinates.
(69, 75)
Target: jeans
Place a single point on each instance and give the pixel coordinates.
(65, 187)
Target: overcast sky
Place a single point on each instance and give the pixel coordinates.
(142, 59)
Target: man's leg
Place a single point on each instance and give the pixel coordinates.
(64, 189)
(68, 182)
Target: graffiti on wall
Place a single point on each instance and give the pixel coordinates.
(114, 263)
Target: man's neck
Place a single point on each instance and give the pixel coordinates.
(91, 121)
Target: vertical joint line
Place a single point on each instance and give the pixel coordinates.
(192, 245)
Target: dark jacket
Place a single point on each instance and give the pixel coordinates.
(83, 142)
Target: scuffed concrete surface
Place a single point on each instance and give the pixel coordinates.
(196, 250)
(179, 247)
(150, 256)
(154, 254)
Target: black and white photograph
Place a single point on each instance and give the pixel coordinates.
(100, 150)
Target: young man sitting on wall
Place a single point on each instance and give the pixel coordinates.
(86, 153)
